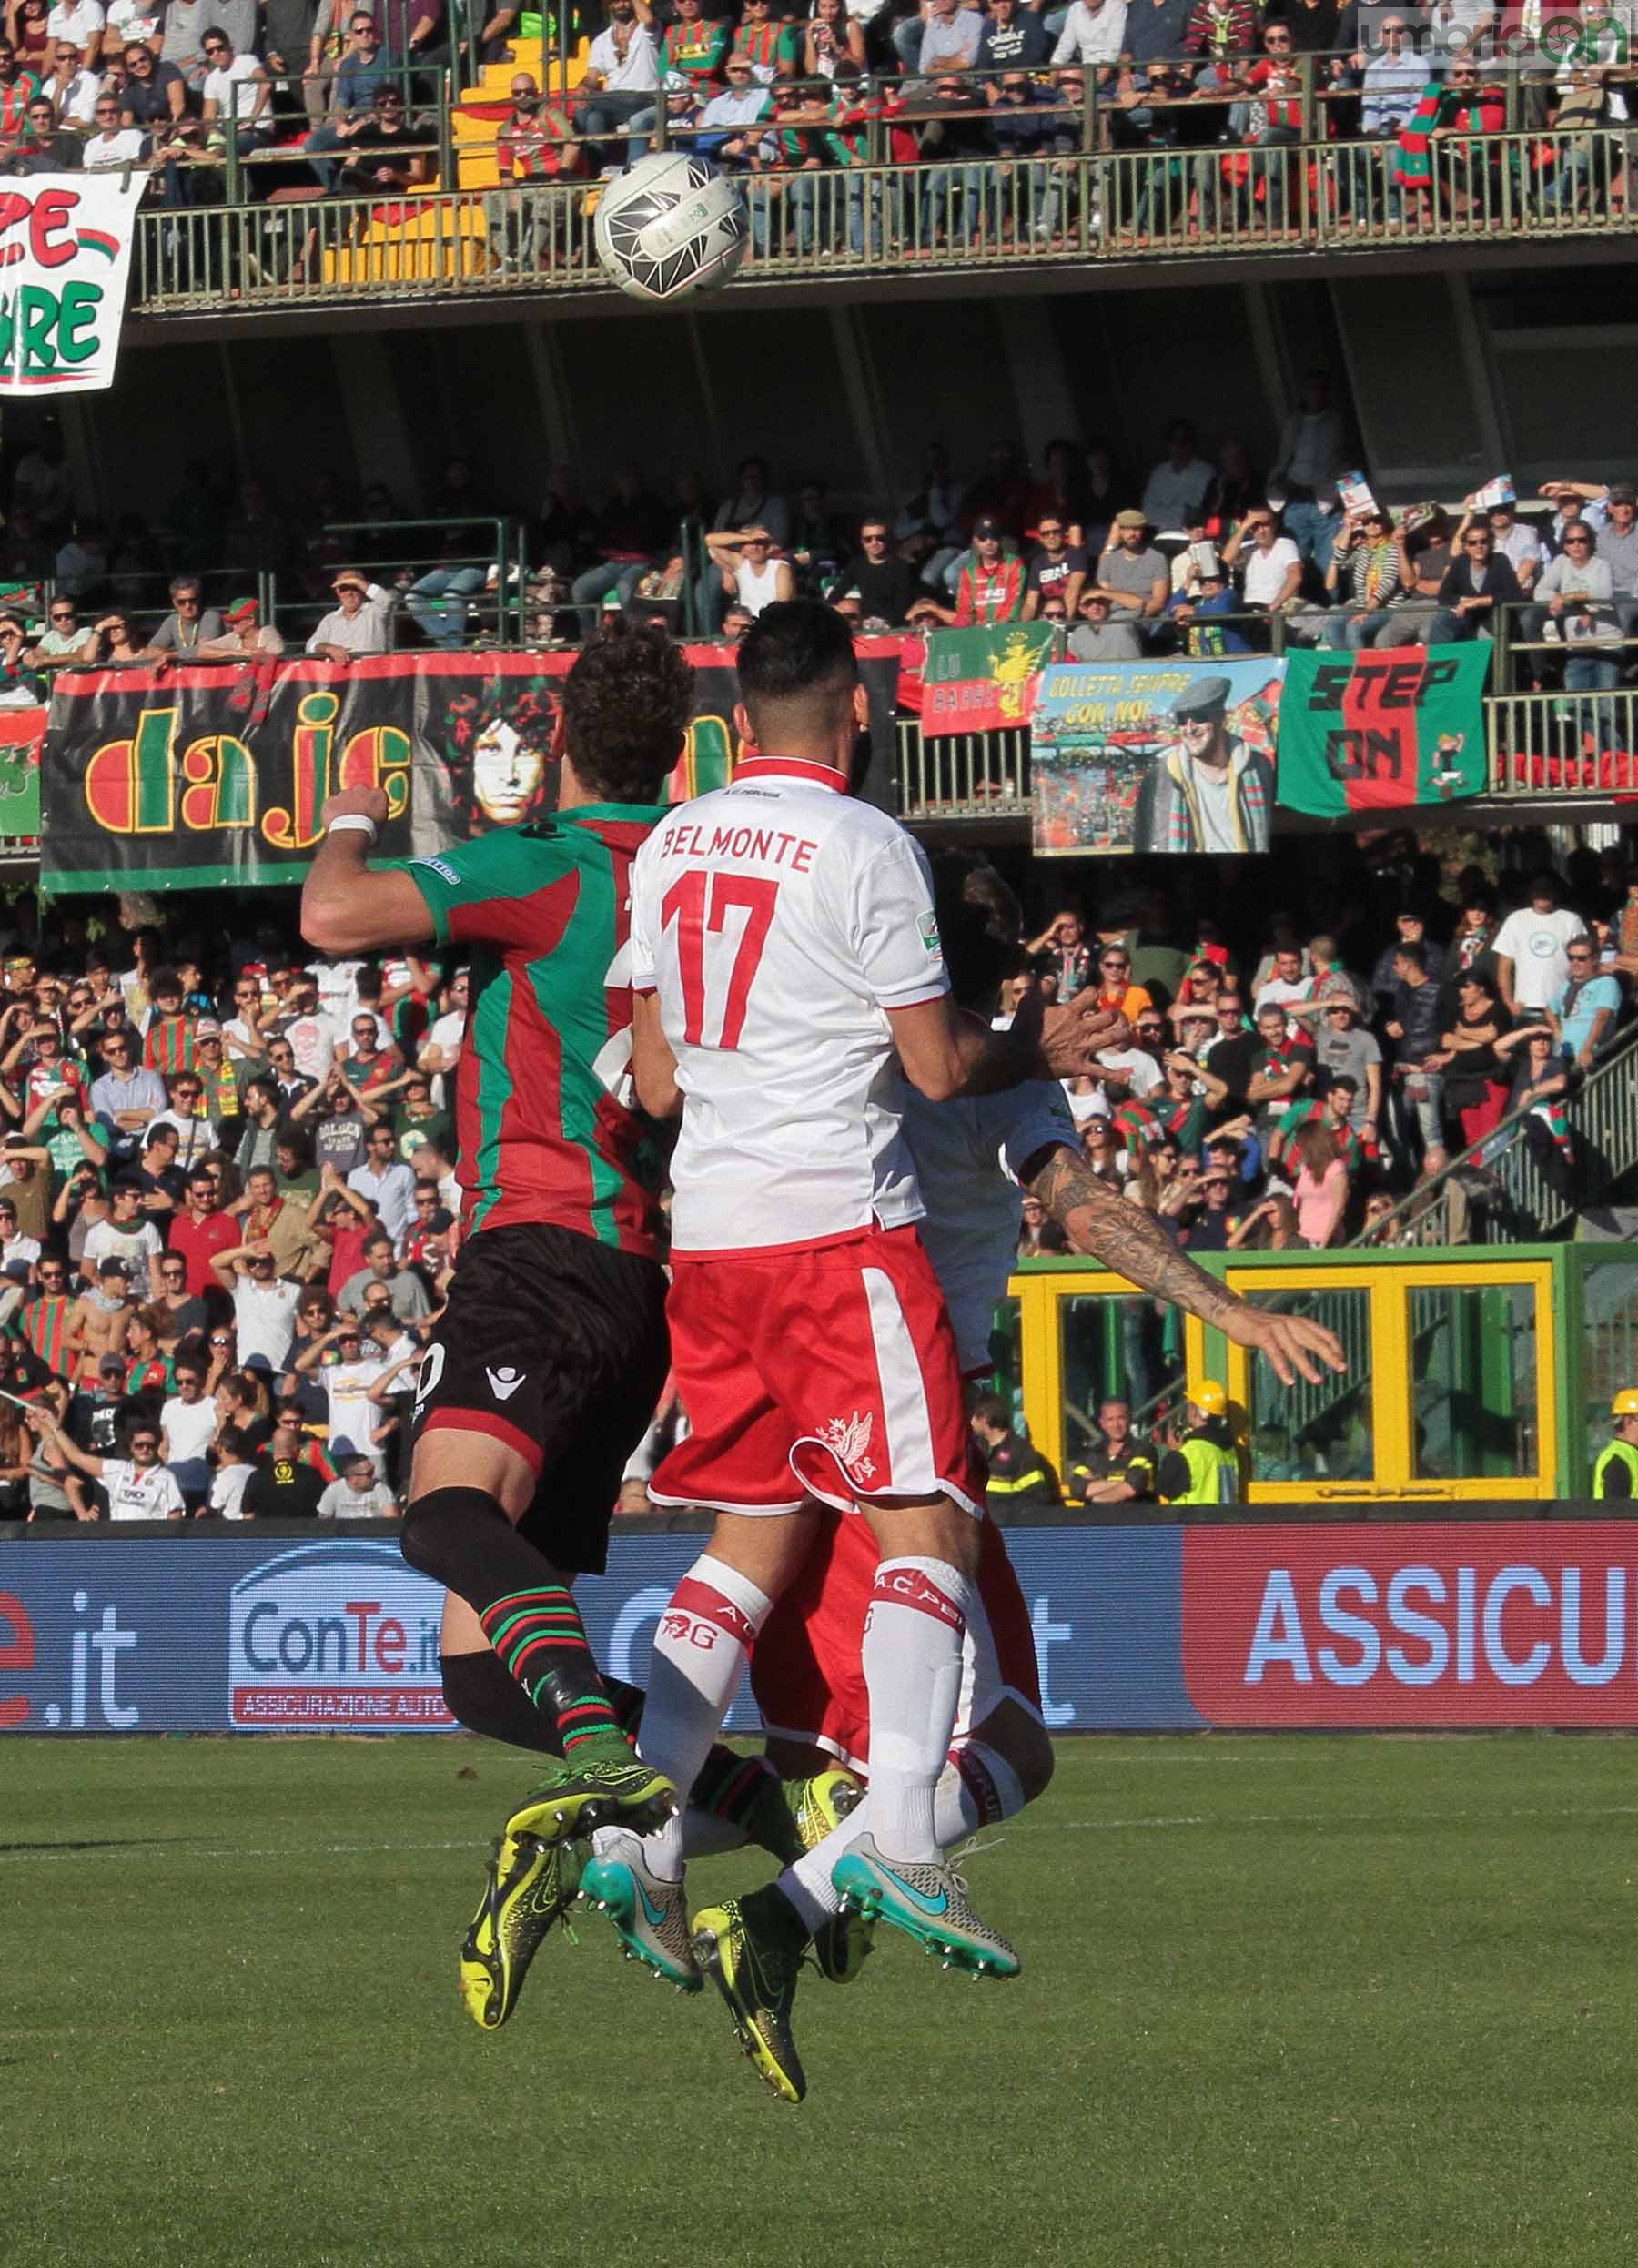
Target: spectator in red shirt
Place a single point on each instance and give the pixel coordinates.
(200, 1232)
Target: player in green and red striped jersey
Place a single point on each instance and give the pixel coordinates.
(546, 1366)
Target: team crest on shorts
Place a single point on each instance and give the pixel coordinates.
(848, 1439)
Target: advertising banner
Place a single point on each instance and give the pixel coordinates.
(982, 681)
(1504, 1623)
(1381, 731)
(212, 773)
(1368, 1625)
(1155, 755)
(65, 249)
(202, 1633)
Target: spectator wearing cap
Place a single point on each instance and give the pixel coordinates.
(245, 635)
(125, 1240)
(1207, 790)
(1131, 573)
(97, 1325)
(1096, 638)
(218, 1078)
(359, 624)
(989, 587)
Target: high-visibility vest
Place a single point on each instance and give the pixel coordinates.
(1213, 1473)
(1618, 1452)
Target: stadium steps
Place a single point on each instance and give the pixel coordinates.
(422, 237)
(1494, 1193)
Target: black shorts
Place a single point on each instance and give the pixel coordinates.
(555, 1344)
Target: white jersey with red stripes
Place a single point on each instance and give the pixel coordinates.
(779, 919)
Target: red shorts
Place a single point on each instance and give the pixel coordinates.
(830, 1372)
(806, 1672)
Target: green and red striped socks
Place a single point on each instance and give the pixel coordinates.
(538, 1633)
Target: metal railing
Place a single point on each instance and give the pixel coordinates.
(1520, 1201)
(1045, 211)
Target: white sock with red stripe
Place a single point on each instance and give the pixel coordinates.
(976, 1788)
(699, 1651)
(912, 1659)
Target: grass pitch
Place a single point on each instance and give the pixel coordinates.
(1285, 2001)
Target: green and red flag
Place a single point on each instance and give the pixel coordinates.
(984, 680)
(1381, 731)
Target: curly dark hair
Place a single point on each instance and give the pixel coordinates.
(627, 702)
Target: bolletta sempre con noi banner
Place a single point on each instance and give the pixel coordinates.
(64, 266)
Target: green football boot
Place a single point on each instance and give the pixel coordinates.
(602, 1791)
(754, 1956)
(531, 1885)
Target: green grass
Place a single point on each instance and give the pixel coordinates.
(1285, 2001)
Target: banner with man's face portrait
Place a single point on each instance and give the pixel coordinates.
(212, 774)
(1155, 757)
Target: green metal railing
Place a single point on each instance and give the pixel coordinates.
(1047, 211)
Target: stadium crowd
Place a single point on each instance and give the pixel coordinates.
(1295, 1096)
(229, 1210)
(1217, 91)
(1203, 552)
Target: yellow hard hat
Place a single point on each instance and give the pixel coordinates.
(1625, 1403)
(1213, 1399)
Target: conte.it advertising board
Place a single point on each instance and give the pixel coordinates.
(1136, 1629)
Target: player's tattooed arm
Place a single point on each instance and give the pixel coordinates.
(1099, 1222)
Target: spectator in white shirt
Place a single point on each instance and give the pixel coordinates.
(1092, 35)
(387, 1181)
(233, 1471)
(622, 74)
(1532, 963)
(139, 1487)
(81, 25)
(236, 87)
(1271, 564)
(264, 1303)
(125, 1239)
(358, 1494)
(359, 622)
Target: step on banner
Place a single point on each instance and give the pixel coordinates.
(1147, 757)
(1381, 731)
(215, 772)
(64, 268)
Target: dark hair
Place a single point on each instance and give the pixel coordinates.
(261, 1085)
(797, 654)
(993, 1410)
(626, 706)
(298, 1142)
(977, 925)
(1417, 955)
(234, 1441)
(163, 981)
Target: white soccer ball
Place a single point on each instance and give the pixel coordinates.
(668, 227)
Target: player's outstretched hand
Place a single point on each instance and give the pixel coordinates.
(370, 803)
(1291, 1342)
(1072, 1036)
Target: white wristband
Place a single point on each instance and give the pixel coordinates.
(346, 822)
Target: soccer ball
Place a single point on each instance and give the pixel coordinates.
(670, 227)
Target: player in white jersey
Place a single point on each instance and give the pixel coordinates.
(970, 1158)
(786, 966)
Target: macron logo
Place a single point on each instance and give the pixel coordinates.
(504, 1383)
